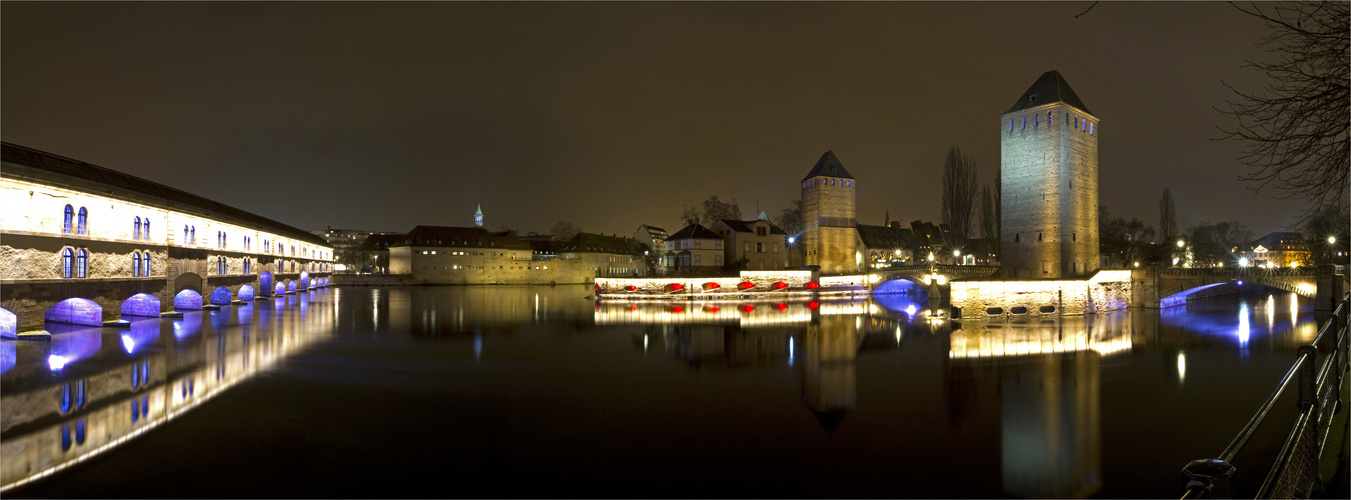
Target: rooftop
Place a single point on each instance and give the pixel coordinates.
(443, 236)
(1049, 88)
(828, 166)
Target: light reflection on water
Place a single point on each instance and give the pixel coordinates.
(858, 397)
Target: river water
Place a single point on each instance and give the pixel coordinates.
(540, 392)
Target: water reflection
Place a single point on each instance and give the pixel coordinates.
(129, 384)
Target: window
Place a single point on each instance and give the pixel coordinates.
(759, 247)
(746, 247)
(281, 266)
(717, 260)
(145, 229)
(717, 245)
(698, 260)
(69, 220)
(1038, 236)
(82, 263)
(145, 265)
(1074, 236)
(293, 266)
(1036, 120)
(185, 234)
(136, 229)
(136, 264)
(83, 226)
(1050, 118)
(192, 235)
(67, 262)
(1076, 122)
(1010, 124)
(1024, 122)
(1015, 237)
(776, 247)
(1090, 129)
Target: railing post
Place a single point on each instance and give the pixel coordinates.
(1208, 477)
(1308, 377)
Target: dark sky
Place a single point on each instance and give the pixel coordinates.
(610, 115)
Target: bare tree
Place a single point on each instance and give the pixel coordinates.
(715, 209)
(1167, 216)
(691, 216)
(790, 219)
(565, 231)
(959, 194)
(1296, 129)
(987, 217)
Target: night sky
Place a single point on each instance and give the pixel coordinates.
(610, 115)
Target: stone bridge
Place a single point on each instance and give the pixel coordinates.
(1175, 285)
(935, 278)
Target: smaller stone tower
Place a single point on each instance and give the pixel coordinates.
(829, 226)
(478, 216)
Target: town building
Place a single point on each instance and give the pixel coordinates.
(82, 244)
(1049, 178)
(886, 246)
(762, 244)
(829, 238)
(346, 245)
(652, 236)
(606, 255)
(694, 249)
(461, 255)
(373, 253)
(1279, 249)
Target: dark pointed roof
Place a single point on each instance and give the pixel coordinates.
(748, 226)
(828, 166)
(1049, 88)
(694, 231)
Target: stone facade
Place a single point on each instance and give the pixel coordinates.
(1104, 291)
(116, 219)
(1049, 174)
(760, 242)
(829, 238)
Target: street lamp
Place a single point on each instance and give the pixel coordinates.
(1332, 240)
(956, 257)
(792, 239)
(1179, 243)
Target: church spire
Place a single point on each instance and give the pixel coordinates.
(478, 216)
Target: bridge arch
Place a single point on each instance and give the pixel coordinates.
(221, 296)
(896, 286)
(9, 324)
(75, 311)
(188, 281)
(265, 283)
(279, 290)
(246, 292)
(1177, 295)
(188, 299)
(304, 280)
(141, 304)
(290, 286)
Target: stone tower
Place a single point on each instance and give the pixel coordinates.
(829, 233)
(478, 216)
(1049, 170)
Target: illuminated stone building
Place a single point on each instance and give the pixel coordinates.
(607, 255)
(694, 249)
(373, 253)
(1049, 173)
(829, 238)
(82, 244)
(1279, 249)
(758, 241)
(461, 255)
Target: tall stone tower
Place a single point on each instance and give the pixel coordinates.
(828, 220)
(478, 216)
(1049, 171)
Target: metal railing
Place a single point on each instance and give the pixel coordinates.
(1295, 471)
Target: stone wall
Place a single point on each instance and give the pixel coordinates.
(828, 218)
(1104, 291)
(1049, 178)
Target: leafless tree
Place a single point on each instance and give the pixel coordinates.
(1167, 216)
(565, 231)
(790, 219)
(959, 194)
(715, 209)
(691, 216)
(1296, 129)
(987, 217)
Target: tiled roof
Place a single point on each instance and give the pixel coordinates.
(885, 236)
(654, 231)
(694, 232)
(1283, 242)
(599, 243)
(828, 166)
(47, 162)
(476, 237)
(1049, 88)
(376, 242)
(748, 226)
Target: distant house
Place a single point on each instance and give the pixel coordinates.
(886, 246)
(609, 255)
(760, 242)
(653, 236)
(1279, 249)
(374, 252)
(694, 250)
(439, 254)
(930, 239)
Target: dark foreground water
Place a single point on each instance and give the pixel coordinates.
(539, 392)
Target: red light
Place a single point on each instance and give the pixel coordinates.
(677, 309)
(597, 287)
(779, 285)
(813, 305)
(675, 287)
(781, 306)
(747, 308)
(710, 309)
(631, 288)
(811, 285)
(711, 286)
(746, 285)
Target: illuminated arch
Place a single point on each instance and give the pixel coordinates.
(894, 286)
(280, 289)
(304, 280)
(290, 286)
(141, 304)
(246, 292)
(75, 311)
(265, 283)
(9, 324)
(221, 296)
(188, 299)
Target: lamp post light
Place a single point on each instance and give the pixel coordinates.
(956, 257)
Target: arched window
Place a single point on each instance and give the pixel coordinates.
(145, 265)
(1024, 122)
(145, 229)
(192, 235)
(1076, 122)
(136, 264)
(1090, 128)
(82, 223)
(136, 229)
(67, 262)
(69, 220)
(185, 234)
(293, 266)
(1010, 124)
(1036, 120)
(82, 263)
(1050, 118)
(281, 266)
